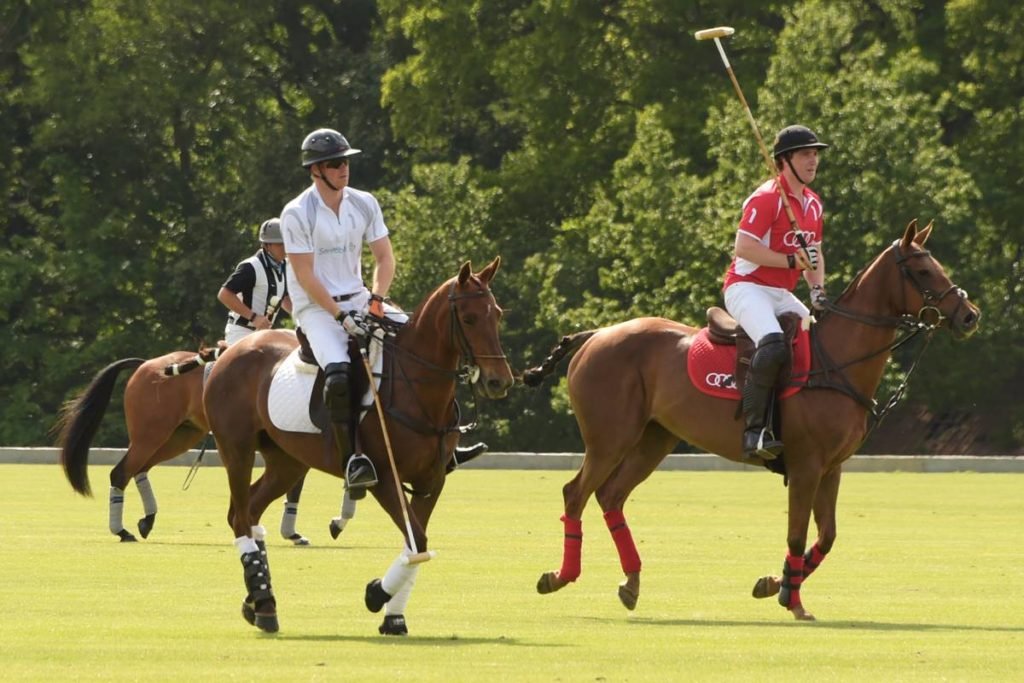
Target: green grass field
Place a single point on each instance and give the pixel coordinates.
(926, 583)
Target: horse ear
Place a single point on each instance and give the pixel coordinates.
(923, 233)
(487, 274)
(465, 272)
(909, 234)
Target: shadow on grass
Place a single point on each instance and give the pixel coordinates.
(415, 641)
(832, 625)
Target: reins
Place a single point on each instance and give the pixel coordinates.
(907, 326)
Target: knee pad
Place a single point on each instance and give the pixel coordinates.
(336, 390)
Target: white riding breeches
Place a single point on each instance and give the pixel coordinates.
(756, 307)
(235, 333)
(327, 337)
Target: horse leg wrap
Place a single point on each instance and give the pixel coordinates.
(257, 580)
(146, 492)
(629, 558)
(116, 510)
(813, 558)
(572, 549)
(396, 605)
(291, 510)
(792, 577)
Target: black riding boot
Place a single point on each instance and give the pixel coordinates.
(758, 439)
(464, 455)
(359, 471)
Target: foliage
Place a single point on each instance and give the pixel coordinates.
(596, 147)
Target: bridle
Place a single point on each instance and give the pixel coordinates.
(466, 372)
(908, 325)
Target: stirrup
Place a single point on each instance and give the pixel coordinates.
(360, 473)
(766, 447)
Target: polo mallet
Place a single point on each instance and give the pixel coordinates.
(722, 32)
(416, 557)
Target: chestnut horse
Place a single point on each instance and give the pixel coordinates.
(165, 418)
(457, 322)
(641, 365)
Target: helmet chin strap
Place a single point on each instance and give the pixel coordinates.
(322, 177)
(789, 162)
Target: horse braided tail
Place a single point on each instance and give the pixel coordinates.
(80, 418)
(566, 348)
(204, 357)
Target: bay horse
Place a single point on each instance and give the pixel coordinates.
(165, 417)
(634, 401)
(457, 322)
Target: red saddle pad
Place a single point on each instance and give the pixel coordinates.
(712, 366)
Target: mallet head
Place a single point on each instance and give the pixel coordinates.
(717, 32)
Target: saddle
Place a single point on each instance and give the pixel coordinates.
(725, 331)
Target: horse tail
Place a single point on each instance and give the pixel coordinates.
(566, 348)
(207, 355)
(80, 418)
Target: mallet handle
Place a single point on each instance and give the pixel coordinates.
(714, 33)
(394, 468)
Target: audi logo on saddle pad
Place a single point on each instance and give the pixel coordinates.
(720, 380)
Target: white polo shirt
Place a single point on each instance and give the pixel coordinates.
(336, 241)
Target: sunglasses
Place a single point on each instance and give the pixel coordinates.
(336, 163)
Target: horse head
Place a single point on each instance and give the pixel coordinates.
(475, 320)
(456, 330)
(926, 291)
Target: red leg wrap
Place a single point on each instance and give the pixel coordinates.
(572, 550)
(629, 558)
(792, 577)
(812, 558)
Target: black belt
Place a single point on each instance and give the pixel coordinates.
(242, 322)
(345, 297)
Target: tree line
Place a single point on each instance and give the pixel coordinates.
(596, 146)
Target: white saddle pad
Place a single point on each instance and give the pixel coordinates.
(291, 388)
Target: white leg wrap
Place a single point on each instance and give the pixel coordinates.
(245, 545)
(116, 510)
(146, 491)
(398, 601)
(288, 519)
(259, 533)
(348, 511)
(397, 575)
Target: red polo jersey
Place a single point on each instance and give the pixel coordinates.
(765, 220)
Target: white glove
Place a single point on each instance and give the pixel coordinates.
(351, 322)
(818, 298)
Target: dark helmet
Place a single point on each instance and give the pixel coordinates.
(325, 144)
(792, 138)
(270, 232)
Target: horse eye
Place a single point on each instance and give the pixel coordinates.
(469, 319)
(924, 272)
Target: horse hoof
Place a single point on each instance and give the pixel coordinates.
(549, 582)
(766, 587)
(249, 612)
(146, 525)
(394, 625)
(629, 592)
(267, 623)
(336, 529)
(800, 614)
(376, 597)
(126, 536)
(298, 539)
